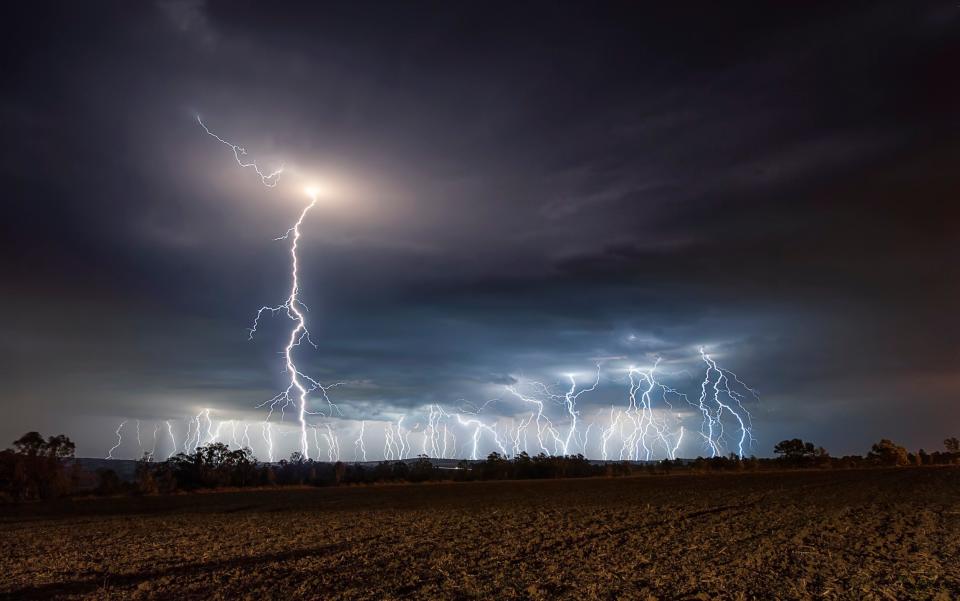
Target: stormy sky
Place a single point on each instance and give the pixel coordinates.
(511, 192)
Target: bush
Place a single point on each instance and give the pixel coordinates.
(886, 452)
(797, 453)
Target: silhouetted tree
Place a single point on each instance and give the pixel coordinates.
(421, 470)
(37, 468)
(146, 478)
(952, 444)
(887, 452)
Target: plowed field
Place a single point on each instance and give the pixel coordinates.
(872, 534)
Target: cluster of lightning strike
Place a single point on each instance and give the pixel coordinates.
(469, 418)
(722, 395)
(653, 422)
(650, 426)
(641, 426)
(439, 439)
(396, 440)
(552, 439)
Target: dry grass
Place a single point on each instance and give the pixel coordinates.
(882, 534)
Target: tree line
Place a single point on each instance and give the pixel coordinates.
(38, 468)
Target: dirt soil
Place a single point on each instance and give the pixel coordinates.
(871, 534)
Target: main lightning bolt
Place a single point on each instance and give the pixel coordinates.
(301, 385)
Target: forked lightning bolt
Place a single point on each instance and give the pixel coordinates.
(719, 396)
(269, 180)
(301, 385)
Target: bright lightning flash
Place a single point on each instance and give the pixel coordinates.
(301, 385)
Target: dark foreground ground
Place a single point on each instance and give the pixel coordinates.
(880, 534)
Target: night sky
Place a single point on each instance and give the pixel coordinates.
(512, 191)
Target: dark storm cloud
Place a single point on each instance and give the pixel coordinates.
(536, 184)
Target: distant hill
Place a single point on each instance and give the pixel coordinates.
(126, 469)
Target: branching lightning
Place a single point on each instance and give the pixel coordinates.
(269, 180)
(301, 385)
(333, 444)
(546, 431)
(651, 425)
(719, 396)
(479, 426)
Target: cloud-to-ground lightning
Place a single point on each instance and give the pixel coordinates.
(546, 431)
(156, 431)
(719, 396)
(359, 443)
(544, 426)
(435, 438)
(119, 440)
(297, 391)
(643, 427)
(608, 432)
(570, 402)
(478, 426)
(333, 444)
(652, 425)
(268, 439)
(300, 385)
(647, 431)
(173, 440)
(396, 441)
